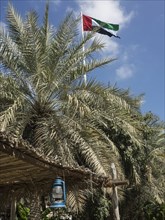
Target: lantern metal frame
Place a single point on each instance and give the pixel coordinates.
(56, 201)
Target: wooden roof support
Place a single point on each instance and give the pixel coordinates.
(24, 154)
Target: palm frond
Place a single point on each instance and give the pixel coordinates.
(15, 23)
(76, 199)
(8, 116)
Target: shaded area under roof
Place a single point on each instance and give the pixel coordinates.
(21, 164)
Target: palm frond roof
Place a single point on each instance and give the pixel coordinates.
(21, 163)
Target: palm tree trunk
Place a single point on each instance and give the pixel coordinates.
(35, 206)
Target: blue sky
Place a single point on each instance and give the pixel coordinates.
(140, 52)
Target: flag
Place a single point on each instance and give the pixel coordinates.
(93, 24)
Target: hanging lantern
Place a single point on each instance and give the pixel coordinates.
(58, 195)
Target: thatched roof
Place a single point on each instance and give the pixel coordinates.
(20, 163)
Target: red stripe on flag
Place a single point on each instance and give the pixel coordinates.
(87, 23)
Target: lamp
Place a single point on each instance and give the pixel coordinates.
(58, 194)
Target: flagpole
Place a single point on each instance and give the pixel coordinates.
(82, 31)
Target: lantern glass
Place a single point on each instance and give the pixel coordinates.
(57, 192)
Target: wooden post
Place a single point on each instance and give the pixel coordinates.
(35, 206)
(13, 207)
(114, 193)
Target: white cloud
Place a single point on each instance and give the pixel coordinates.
(129, 52)
(125, 56)
(56, 2)
(108, 11)
(3, 27)
(143, 101)
(70, 9)
(127, 68)
(126, 71)
(111, 47)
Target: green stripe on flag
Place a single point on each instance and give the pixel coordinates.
(114, 27)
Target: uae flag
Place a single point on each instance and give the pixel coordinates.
(92, 24)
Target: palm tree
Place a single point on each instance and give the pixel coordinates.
(46, 102)
(153, 188)
(150, 160)
(41, 79)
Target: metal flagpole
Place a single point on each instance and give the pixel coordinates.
(82, 31)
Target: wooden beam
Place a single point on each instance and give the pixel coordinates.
(112, 183)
